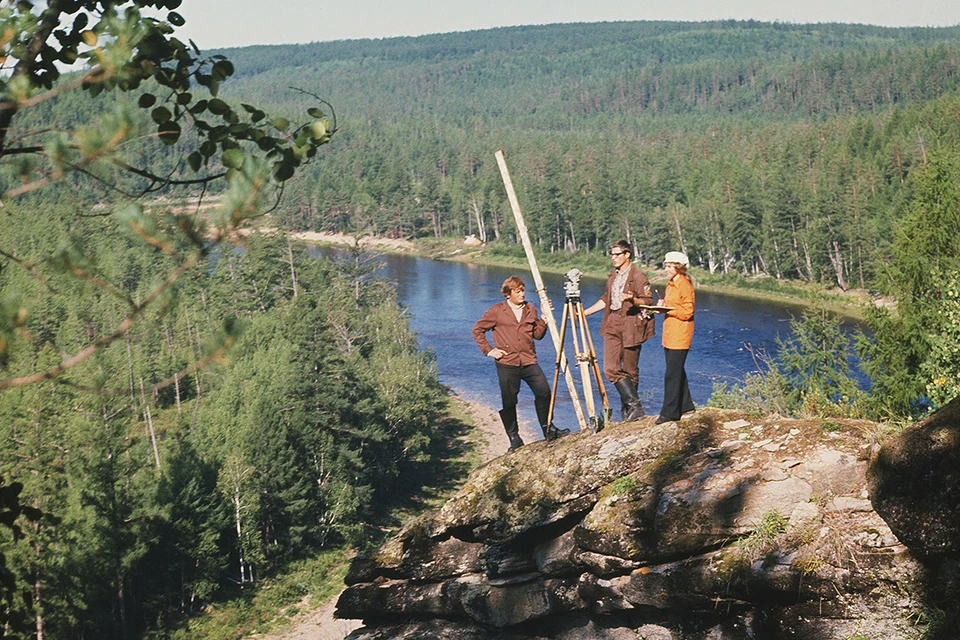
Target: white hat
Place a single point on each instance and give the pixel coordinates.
(676, 256)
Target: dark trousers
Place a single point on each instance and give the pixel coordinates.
(619, 362)
(510, 378)
(676, 392)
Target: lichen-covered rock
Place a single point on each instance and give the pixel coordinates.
(915, 483)
(718, 527)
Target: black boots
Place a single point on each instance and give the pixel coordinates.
(550, 431)
(629, 400)
(509, 419)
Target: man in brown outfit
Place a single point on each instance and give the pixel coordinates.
(515, 325)
(625, 326)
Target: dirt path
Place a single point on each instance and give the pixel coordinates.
(319, 624)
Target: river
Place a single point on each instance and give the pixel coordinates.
(445, 299)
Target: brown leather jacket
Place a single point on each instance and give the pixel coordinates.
(637, 327)
(516, 338)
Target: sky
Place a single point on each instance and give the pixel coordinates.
(236, 23)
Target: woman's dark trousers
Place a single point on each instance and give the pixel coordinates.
(676, 392)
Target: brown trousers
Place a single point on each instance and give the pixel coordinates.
(619, 362)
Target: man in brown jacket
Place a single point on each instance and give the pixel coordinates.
(515, 325)
(625, 326)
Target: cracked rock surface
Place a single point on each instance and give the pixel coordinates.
(718, 527)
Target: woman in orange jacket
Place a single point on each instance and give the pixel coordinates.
(677, 336)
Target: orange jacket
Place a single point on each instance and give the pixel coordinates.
(678, 323)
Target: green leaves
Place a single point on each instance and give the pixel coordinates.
(320, 130)
(283, 171)
(912, 349)
(126, 49)
(815, 361)
(195, 161)
(161, 115)
(217, 107)
(942, 367)
(232, 158)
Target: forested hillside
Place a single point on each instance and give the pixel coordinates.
(758, 148)
(158, 498)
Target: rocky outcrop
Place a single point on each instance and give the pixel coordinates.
(717, 527)
(915, 483)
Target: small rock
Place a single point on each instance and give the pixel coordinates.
(730, 445)
(773, 475)
(803, 514)
(842, 504)
(612, 446)
(654, 632)
(889, 540)
(762, 443)
(736, 424)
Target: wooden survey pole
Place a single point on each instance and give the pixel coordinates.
(545, 309)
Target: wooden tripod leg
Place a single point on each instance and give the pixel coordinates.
(596, 368)
(556, 371)
(579, 329)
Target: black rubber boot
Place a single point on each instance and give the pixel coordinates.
(629, 400)
(509, 419)
(551, 432)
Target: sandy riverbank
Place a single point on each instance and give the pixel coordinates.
(398, 245)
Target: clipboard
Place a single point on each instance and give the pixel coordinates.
(655, 308)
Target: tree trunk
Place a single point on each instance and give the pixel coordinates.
(37, 581)
(122, 604)
(149, 423)
(676, 219)
(776, 259)
(236, 505)
(836, 259)
(711, 261)
(176, 386)
(481, 228)
(293, 272)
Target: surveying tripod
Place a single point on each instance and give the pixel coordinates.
(584, 353)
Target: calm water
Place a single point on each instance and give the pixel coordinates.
(445, 299)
